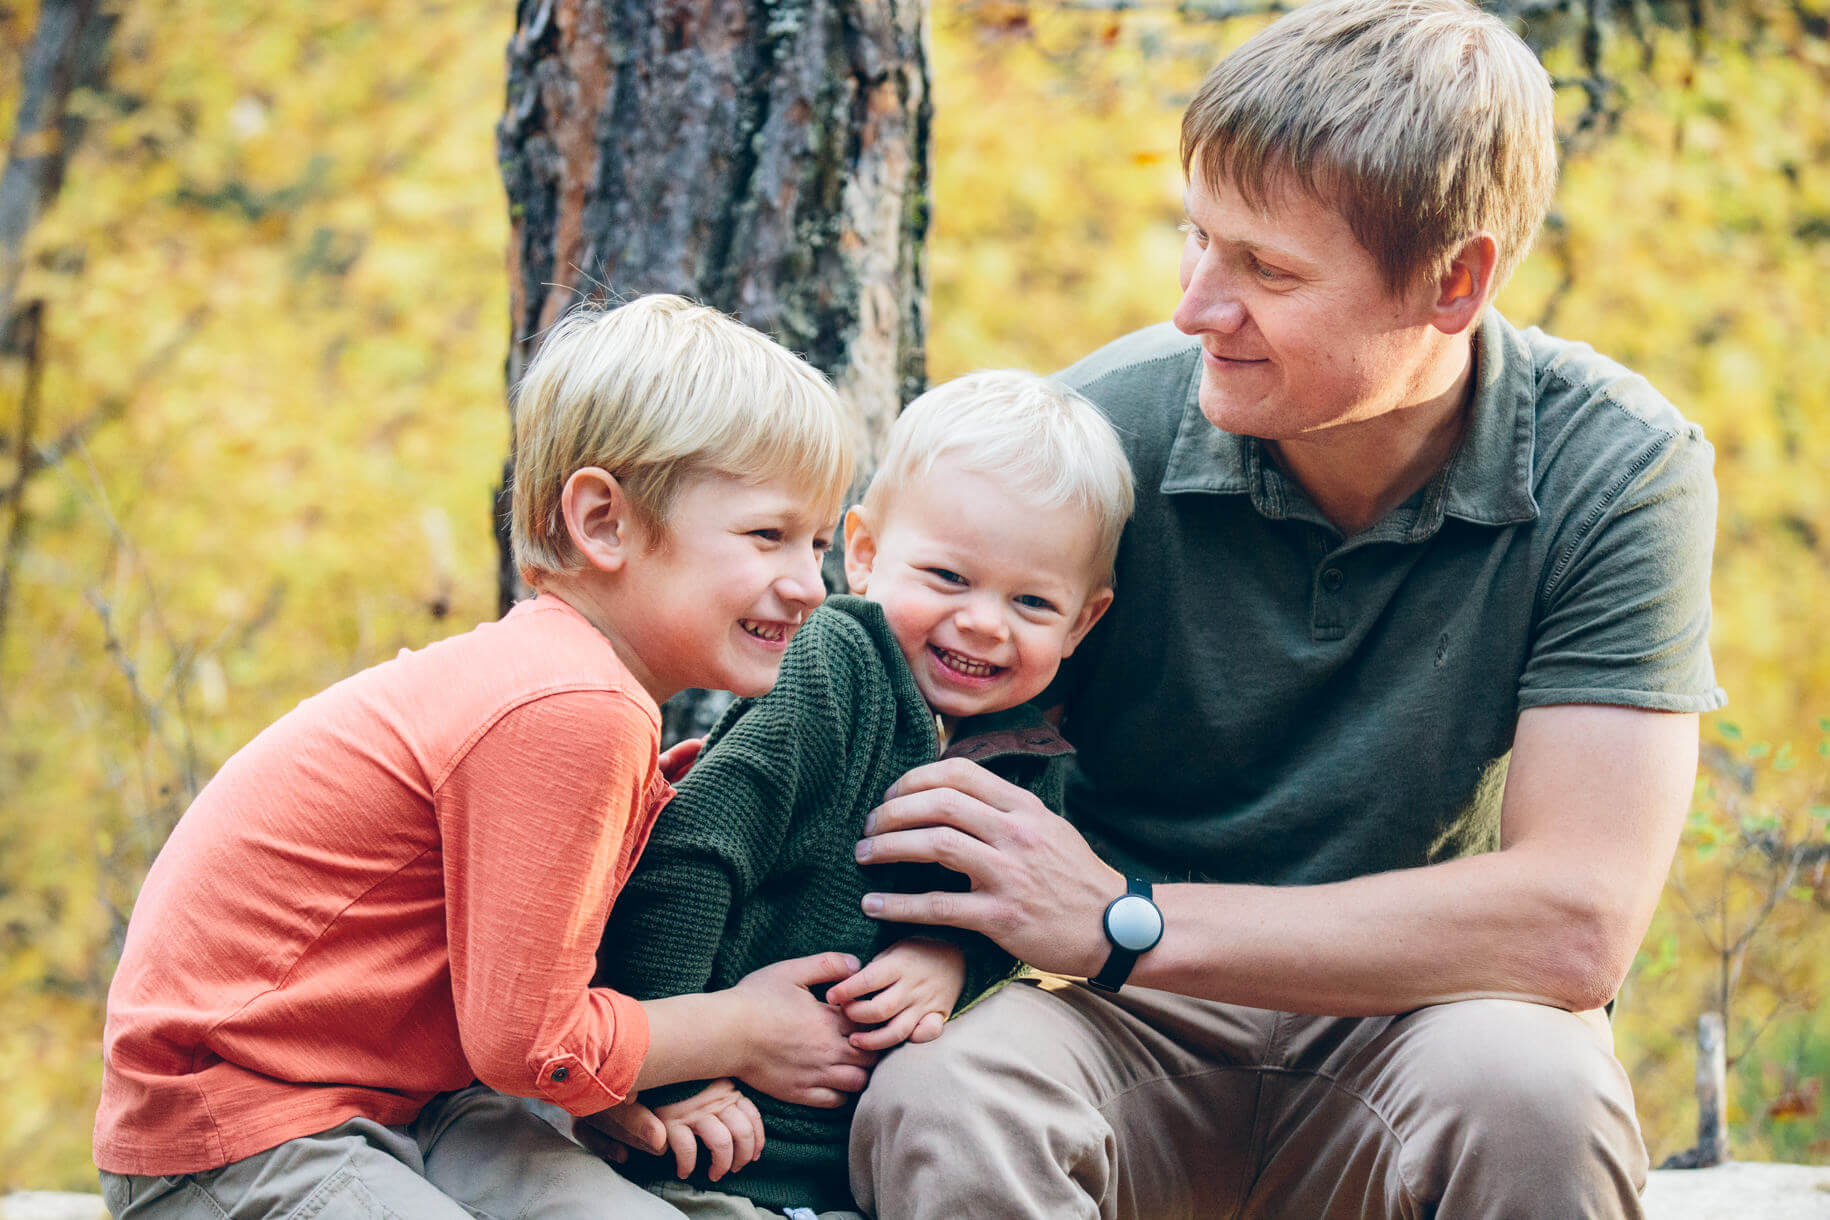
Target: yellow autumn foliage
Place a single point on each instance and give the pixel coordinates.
(276, 320)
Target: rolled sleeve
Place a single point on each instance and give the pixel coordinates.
(540, 820)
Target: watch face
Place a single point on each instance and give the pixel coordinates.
(1134, 923)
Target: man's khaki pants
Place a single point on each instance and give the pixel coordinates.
(1050, 1100)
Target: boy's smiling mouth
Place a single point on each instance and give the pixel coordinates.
(965, 666)
(769, 632)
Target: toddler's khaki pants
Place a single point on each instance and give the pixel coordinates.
(1050, 1100)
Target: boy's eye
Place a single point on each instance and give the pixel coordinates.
(942, 574)
(767, 535)
(1188, 227)
(822, 544)
(1032, 602)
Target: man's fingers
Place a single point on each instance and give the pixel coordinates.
(956, 849)
(612, 1150)
(819, 1098)
(685, 1147)
(874, 977)
(960, 776)
(817, 969)
(850, 1079)
(971, 911)
(928, 1028)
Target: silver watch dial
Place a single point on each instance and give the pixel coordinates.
(1134, 923)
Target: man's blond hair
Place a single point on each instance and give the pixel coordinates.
(655, 392)
(1421, 121)
(1042, 439)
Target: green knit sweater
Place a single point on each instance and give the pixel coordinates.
(752, 861)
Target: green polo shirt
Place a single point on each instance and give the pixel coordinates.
(1270, 702)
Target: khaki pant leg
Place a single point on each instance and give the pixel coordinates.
(697, 1204)
(358, 1170)
(504, 1162)
(1057, 1102)
(1485, 1108)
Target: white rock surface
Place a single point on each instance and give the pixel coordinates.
(1741, 1191)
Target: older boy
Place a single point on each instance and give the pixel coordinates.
(980, 557)
(394, 891)
(1400, 701)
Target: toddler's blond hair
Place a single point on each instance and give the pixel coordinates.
(1045, 440)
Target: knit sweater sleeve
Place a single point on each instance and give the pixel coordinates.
(716, 841)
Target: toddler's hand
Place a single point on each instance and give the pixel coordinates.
(720, 1117)
(800, 1047)
(906, 992)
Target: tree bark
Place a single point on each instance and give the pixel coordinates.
(766, 157)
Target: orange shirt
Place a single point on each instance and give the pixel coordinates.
(395, 889)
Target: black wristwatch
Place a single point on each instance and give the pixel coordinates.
(1133, 924)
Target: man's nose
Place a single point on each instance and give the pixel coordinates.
(1209, 301)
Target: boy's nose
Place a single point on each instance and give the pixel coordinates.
(980, 617)
(802, 582)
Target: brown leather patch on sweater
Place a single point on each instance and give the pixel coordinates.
(1039, 740)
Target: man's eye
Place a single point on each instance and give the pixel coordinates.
(1265, 271)
(947, 577)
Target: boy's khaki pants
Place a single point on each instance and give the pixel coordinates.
(1050, 1100)
(473, 1153)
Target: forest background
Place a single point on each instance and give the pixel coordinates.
(252, 442)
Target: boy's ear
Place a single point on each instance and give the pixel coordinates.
(599, 519)
(860, 549)
(1097, 603)
(1463, 290)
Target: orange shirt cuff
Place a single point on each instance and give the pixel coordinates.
(578, 1088)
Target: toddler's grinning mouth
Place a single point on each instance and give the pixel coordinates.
(960, 663)
(774, 633)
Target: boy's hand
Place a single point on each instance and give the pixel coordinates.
(800, 1049)
(612, 1133)
(911, 987)
(720, 1117)
(676, 760)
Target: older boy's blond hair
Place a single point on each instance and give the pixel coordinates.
(654, 392)
(1421, 121)
(1044, 440)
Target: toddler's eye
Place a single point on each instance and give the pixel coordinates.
(1031, 601)
(822, 544)
(767, 535)
(947, 577)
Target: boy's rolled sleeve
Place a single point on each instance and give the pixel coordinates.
(541, 820)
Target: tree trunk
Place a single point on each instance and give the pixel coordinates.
(767, 157)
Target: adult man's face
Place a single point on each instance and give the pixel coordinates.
(1298, 331)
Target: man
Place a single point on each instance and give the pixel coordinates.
(1397, 704)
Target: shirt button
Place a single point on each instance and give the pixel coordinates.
(1332, 580)
(560, 1074)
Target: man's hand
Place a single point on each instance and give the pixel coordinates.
(720, 1117)
(612, 1133)
(1038, 890)
(800, 1047)
(906, 992)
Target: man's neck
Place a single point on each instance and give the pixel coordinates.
(1357, 472)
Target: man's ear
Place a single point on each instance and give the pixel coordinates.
(1464, 289)
(600, 520)
(860, 549)
(1096, 605)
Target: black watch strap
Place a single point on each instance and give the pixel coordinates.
(1119, 963)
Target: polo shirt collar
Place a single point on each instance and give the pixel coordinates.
(1487, 481)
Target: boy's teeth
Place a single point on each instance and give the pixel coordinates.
(966, 665)
(763, 631)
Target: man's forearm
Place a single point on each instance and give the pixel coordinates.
(1484, 926)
